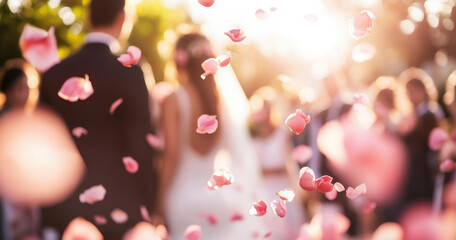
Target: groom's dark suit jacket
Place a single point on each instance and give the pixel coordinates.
(109, 139)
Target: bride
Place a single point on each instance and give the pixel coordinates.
(189, 158)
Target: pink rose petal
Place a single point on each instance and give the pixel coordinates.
(331, 195)
(193, 232)
(258, 208)
(279, 208)
(267, 235)
(93, 194)
(39, 47)
(236, 35)
(76, 88)
(324, 184)
(236, 217)
(131, 58)
(224, 60)
(354, 193)
(100, 220)
(286, 194)
(220, 178)
(119, 216)
(437, 138)
(207, 124)
(115, 105)
(131, 165)
(361, 24)
(255, 234)
(339, 187)
(301, 154)
(154, 141)
(206, 3)
(297, 121)
(261, 14)
(210, 66)
(369, 207)
(447, 165)
(145, 213)
(307, 179)
(79, 131)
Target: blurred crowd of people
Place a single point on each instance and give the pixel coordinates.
(379, 135)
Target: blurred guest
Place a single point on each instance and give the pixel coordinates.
(114, 142)
(423, 162)
(273, 146)
(190, 158)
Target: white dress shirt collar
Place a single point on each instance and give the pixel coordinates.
(100, 37)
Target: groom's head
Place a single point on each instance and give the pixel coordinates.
(107, 16)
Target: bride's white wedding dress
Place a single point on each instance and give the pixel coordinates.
(190, 202)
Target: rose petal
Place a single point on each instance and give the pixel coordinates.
(39, 47)
(286, 194)
(236, 217)
(307, 179)
(224, 60)
(206, 3)
(236, 35)
(220, 178)
(210, 66)
(119, 216)
(154, 141)
(297, 121)
(131, 58)
(447, 165)
(331, 195)
(100, 220)
(76, 88)
(261, 14)
(79, 131)
(115, 105)
(131, 165)
(279, 208)
(361, 24)
(258, 208)
(301, 154)
(339, 187)
(354, 193)
(93, 194)
(267, 235)
(324, 184)
(437, 138)
(145, 213)
(207, 124)
(369, 207)
(193, 232)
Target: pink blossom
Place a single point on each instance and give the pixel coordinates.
(301, 154)
(93, 194)
(115, 105)
(258, 208)
(286, 194)
(207, 124)
(210, 66)
(437, 138)
(236, 35)
(131, 165)
(211, 218)
(79, 131)
(76, 88)
(220, 178)
(361, 24)
(307, 179)
(297, 121)
(39, 47)
(206, 3)
(279, 208)
(193, 232)
(131, 58)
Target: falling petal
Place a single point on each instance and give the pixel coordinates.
(79, 131)
(361, 24)
(207, 124)
(131, 58)
(297, 121)
(224, 60)
(76, 88)
(354, 193)
(447, 165)
(93, 194)
(100, 220)
(261, 14)
(331, 195)
(286, 194)
(193, 232)
(206, 3)
(119, 216)
(39, 47)
(210, 66)
(307, 179)
(220, 178)
(369, 207)
(301, 154)
(154, 141)
(279, 208)
(236, 217)
(145, 213)
(258, 208)
(115, 105)
(437, 138)
(267, 235)
(236, 35)
(339, 187)
(324, 184)
(131, 165)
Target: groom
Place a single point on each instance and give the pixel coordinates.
(110, 137)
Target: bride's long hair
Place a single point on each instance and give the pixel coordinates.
(191, 51)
